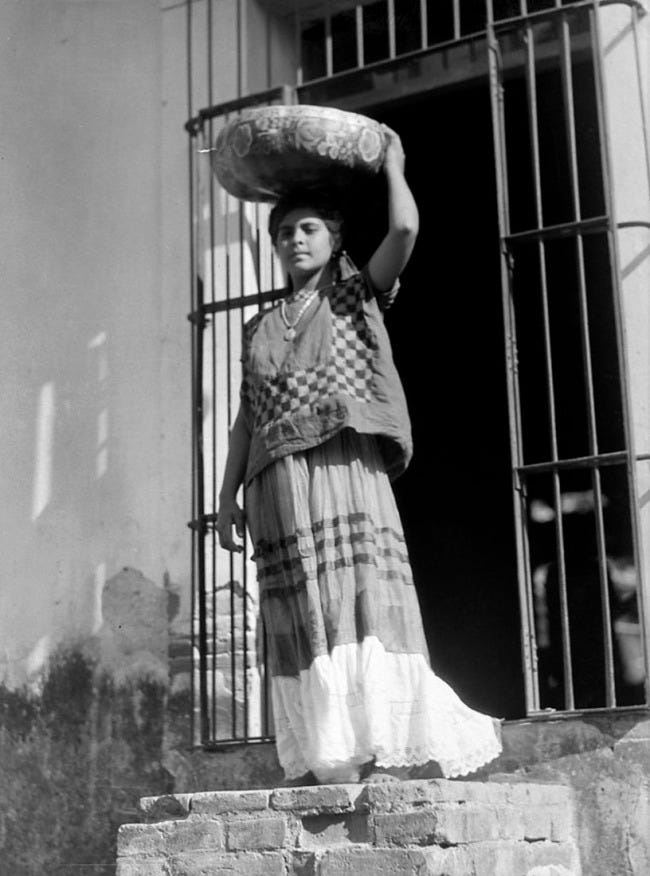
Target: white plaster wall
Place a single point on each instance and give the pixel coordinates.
(626, 51)
(94, 293)
(80, 358)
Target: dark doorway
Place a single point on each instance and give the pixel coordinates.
(447, 334)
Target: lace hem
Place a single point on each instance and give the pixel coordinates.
(362, 702)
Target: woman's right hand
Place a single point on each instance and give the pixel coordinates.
(229, 515)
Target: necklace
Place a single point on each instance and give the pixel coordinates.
(290, 333)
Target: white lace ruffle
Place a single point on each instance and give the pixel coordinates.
(362, 701)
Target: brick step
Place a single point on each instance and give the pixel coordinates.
(430, 828)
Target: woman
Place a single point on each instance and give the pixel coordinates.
(322, 428)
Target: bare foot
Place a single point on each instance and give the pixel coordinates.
(373, 774)
(302, 781)
(376, 777)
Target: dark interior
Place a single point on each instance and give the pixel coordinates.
(447, 333)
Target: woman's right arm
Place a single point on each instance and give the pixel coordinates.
(230, 514)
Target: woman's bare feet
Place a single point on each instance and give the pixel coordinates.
(302, 781)
(371, 774)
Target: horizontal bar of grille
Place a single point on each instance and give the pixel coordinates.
(545, 714)
(219, 745)
(564, 229)
(235, 303)
(637, 223)
(593, 461)
(281, 93)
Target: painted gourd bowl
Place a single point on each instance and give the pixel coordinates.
(268, 151)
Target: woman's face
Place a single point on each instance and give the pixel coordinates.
(304, 243)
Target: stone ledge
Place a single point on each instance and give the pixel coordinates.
(384, 797)
(430, 827)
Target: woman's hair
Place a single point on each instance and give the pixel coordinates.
(320, 203)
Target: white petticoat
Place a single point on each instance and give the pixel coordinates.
(362, 701)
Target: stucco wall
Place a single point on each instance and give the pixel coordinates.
(80, 289)
(94, 246)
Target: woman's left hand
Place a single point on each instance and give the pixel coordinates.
(394, 157)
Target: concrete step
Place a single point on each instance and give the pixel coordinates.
(426, 827)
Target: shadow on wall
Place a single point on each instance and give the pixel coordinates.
(77, 753)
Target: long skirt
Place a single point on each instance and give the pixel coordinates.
(351, 680)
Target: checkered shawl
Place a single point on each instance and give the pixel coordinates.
(337, 372)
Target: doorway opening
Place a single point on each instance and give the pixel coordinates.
(446, 328)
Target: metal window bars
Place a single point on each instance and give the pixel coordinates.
(370, 33)
(569, 413)
(234, 275)
(569, 667)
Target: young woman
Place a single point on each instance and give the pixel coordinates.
(322, 429)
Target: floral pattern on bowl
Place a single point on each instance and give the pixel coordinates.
(267, 151)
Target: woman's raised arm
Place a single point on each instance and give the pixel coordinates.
(394, 251)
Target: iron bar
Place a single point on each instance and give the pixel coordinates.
(565, 630)
(201, 533)
(236, 303)
(617, 457)
(528, 643)
(229, 744)
(280, 93)
(242, 47)
(329, 49)
(196, 728)
(569, 117)
(213, 367)
(424, 24)
(392, 40)
(243, 228)
(358, 24)
(456, 19)
(297, 25)
(592, 225)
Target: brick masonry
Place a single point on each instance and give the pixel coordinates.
(428, 827)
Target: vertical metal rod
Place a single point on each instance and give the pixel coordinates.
(529, 651)
(196, 728)
(200, 519)
(209, 25)
(392, 39)
(614, 261)
(424, 24)
(358, 20)
(268, 24)
(228, 355)
(213, 376)
(242, 48)
(531, 90)
(329, 49)
(243, 227)
(298, 47)
(267, 695)
(569, 118)
(456, 8)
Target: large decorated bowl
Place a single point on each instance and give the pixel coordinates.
(267, 152)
